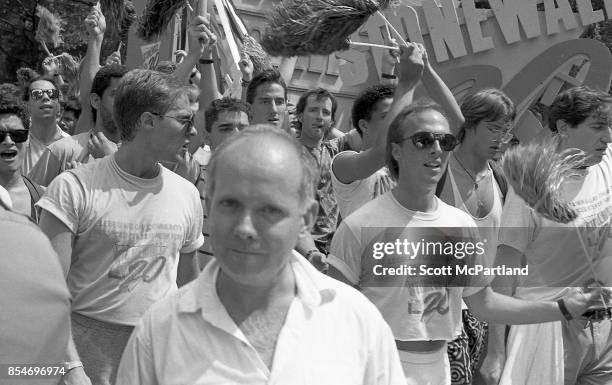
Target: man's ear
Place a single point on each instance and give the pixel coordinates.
(396, 151)
(95, 101)
(147, 121)
(562, 127)
(363, 125)
(308, 217)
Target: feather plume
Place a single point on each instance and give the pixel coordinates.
(315, 27)
(536, 172)
(156, 17)
(128, 18)
(49, 26)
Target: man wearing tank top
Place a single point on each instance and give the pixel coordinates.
(476, 185)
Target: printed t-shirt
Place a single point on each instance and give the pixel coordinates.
(415, 312)
(128, 232)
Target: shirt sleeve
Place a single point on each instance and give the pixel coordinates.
(194, 239)
(137, 365)
(46, 169)
(345, 253)
(65, 199)
(517, 223)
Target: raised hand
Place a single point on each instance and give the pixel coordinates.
(95, 24)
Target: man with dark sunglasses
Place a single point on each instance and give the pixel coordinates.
(13, 135)
(419, 291)
(43, 101)
(78, 149)
(126, 228)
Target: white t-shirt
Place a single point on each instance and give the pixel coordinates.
(351, 196)
(553, 250)
(331, 335)
(414, 311)
(128, 231)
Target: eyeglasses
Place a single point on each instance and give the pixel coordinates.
(17, 136)
(37, 94)
(504, 132)
(187, 123)
(425, 140)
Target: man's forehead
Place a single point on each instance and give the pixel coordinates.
(426, 120)
(270, 89)
(603, 114)
(230, 117)
(11, 121)
(318, 100)
(42, 85)
(382, 105)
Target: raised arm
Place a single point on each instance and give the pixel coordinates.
(95, 26)
(350, 166)
(439, 92)
(201, 38)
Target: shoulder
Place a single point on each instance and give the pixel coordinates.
(371, 211)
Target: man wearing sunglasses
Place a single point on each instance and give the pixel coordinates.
(125, 228)
(68, 152)
(43, 101)
(425, 312)
(13, 135)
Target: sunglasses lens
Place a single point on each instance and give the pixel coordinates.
(36, 94)
(448, 142)
(53, 94)
(423, 139)
(17, 136)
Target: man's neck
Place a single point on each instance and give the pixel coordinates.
(45, 130)
(241, 300)
(114, 137)
(12, 180)
(473, 163)
(137, 162)
(415, 197)
(310, 143)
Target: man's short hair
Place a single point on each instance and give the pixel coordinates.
(264, 77)
(310, 172)
(10, 103)
(227, 104)
(575, 105)
(365, 103)
(142, 91)
(488, 105)
(28, 86)
(319, 94)
(103, 78)
(104, 75)
(397, 129)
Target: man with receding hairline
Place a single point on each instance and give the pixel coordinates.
(260, 313)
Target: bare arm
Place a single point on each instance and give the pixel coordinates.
(490, 306)
(95, 25)
(201, 39)
(350, 166)
(439, 91)
(60, 236)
